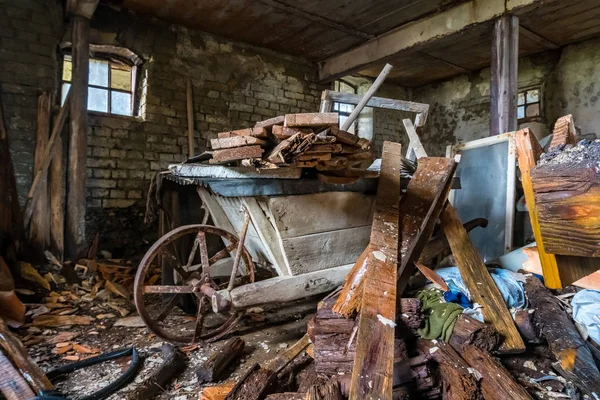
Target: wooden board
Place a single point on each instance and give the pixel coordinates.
(238, 153)
(320, 212)
(480, 283)
(268, 123)
(57, 199)
(256, 132)
(564, 132)
(235, 141)
(311, 120)
(284, 132)
(324, 148)
(344, 137)
(372, 374)
(324, 250)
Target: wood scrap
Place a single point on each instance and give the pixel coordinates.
(564, 133)
(311, 120)
(57, 321)
(480, 283)
(256, 132)
(470, 332)
(328, 391)
(173, 364)
(349, 299)
(12, 384)
(286, 396)
(236, 153)
(219, 392)
(213, 368)
(236, 141)
(31, 274)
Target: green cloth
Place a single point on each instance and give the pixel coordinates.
(440, 318)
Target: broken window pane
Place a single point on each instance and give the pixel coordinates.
(67, 69)
(533, 96)
(120, 79)
(533, 110)
(98, 75)
(521, 112)
(521, 99)
(97, 100)
(64, 92)
(120, 103)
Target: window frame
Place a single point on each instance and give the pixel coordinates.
(336, 87)
(111, 60)
(524, 91)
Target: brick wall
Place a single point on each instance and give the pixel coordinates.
(387, 124)
(29, 32)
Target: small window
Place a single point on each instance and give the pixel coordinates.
(528, 104)
(344, 110)
(110, 86)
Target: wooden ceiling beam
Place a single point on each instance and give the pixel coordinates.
(538, 39)
(417, 33)
(83, 8)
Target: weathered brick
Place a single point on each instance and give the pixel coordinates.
(101, 183)
(117, 203)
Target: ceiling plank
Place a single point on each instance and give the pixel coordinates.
(417, 33)
(537, 39)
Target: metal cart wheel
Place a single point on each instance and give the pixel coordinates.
(157, 302)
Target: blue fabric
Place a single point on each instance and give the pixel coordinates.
(458, 298)
(587, 312)
(509, 283)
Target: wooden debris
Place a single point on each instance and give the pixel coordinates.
(564, 132)
(324, 148)
(212, 369)
(271, 122)
(236, 141)
(575, 361)
(286, 396)
(335, 180)
(469, 331)
(350, 297)
(311, 120)
(329, 391)
(284, 132)
(256, 132)
(118, 289)
(57, 321)
(344, 137)
(237, 153)
(12, 384)
(31, 274)
(480, 283)
(173, 364)
(219, 392)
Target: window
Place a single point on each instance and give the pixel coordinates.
(528, 104)
(110, 85)
(344, 110)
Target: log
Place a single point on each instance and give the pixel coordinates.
(39, 229)
(238, 153)
(372, 372)
(480, 283)
(496, 382)
(329, 391)
(575, 360)
(15, 350)
(173, 364)
(469, 331)
(459, 383)
(12, 385)
(312, 120)
(212, 369)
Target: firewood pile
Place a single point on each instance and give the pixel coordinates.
(310, 140)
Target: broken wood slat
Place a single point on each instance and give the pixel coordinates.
(12, 385)
(458, 381)
(236, 141)
(324, 148)
(564, 132)
(46, 158)
(173, 364)
(343, 136)
(328, 391)
(496, 381)
(271, 122)
(312, 120)
(479, 282)
(349, 299)
(256, 132)
(360, 156)
(420, 208)
(14, 349)
(529, 151)
(314, 157)
(284, 132)
(469, 331)
(212, 369)
(39, 230)
(372, 374)
(276, 155)
(237, 153)
(575, 361)
(57, 321)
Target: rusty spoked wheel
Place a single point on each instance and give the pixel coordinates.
(197, 273)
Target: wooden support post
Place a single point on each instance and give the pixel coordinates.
(39, 231)
(76, 173)
(56, 181)
(190, 117)
(505, 75)
(372, 373)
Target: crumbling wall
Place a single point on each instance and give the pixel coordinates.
(29, 33)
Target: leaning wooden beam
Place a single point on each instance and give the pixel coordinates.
(575, 361)
(366, 97)
(46, 158)
(479, 282)
(417, 33)
(372, 374)
(414, 138)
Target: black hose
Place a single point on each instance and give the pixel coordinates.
(108, 389)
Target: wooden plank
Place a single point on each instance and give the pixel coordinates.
(320, 212)
(190, 117)
(324, 148)
(504, 75)
(323, 250)
(414, 138)
(76, 172)
(57, 201)
(564, 132)
(314, 157)
(479, 282)
(12, 384)
(289, 288)
(529, 151)
(257, 132)
(343, 136)
(372, 373)
(235, 141)
(284, 132)
(39, 230)
(270, 240)
(271, 122)
(312, 120)
(238, 153)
